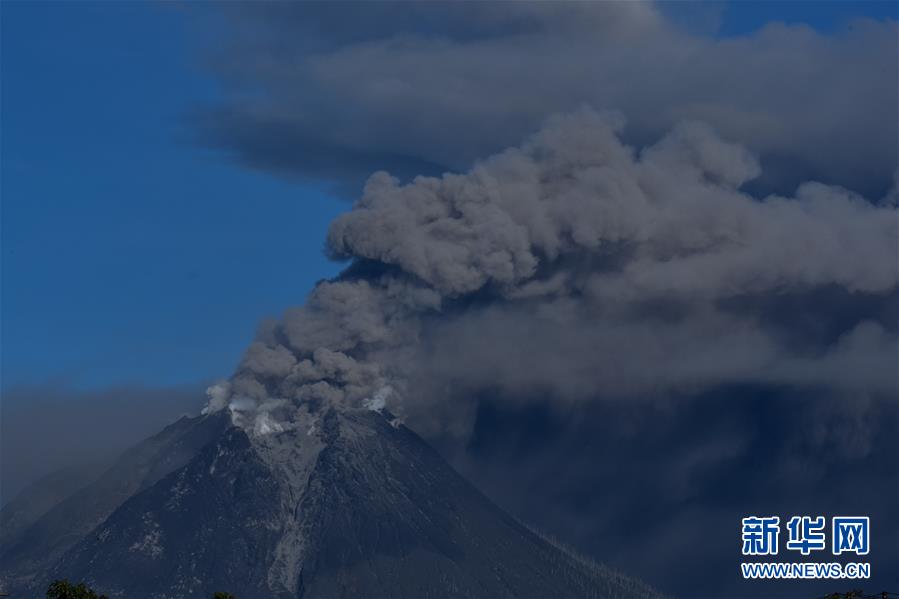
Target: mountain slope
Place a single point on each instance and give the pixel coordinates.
(38, 498)
(206, 526)
(418, 529)
(354, 505)
(28, 550)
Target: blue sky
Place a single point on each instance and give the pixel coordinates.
(743, 16)
(738, 17)
(128, 253)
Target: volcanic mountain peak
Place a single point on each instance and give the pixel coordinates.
(350, 505)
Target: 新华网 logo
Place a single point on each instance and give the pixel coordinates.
(806, 535)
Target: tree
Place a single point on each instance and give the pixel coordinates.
(63, 589)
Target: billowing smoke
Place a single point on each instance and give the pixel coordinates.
(423, 87)
(580, 268)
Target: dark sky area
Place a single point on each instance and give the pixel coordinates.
(170, 171)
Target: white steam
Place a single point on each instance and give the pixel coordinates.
(378, 401)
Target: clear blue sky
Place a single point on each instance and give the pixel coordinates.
(128, 254)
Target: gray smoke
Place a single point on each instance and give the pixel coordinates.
(338, 90)
(578, 267)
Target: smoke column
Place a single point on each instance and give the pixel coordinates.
(582, 267)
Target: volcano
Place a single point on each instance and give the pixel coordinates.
(355, 505)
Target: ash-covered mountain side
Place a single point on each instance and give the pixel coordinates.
(354, 505)
(38, 527)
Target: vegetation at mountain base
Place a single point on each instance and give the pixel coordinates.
(63, 589)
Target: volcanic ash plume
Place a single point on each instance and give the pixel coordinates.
(576, 265)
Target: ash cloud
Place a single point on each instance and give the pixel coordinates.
(338, 91)
(580, 267)
(52, 427)
(658, 487)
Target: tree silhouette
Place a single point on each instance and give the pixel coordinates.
(63, 589)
